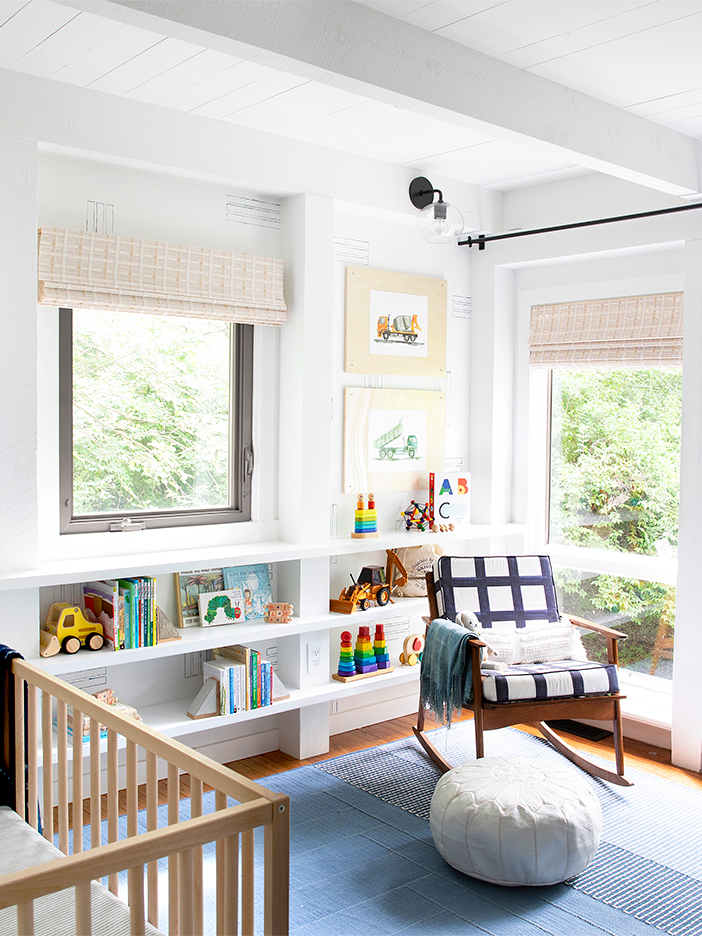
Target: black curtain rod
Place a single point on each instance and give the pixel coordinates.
(482, 239)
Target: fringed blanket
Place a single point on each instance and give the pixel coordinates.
(445, 681)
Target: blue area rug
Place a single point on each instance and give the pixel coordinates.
(363, 861)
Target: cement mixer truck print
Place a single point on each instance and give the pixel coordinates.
(395, 444)
(401, 327)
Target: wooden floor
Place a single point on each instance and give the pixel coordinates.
(638, 755)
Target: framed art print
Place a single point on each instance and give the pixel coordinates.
(395, 323)
(391, 437)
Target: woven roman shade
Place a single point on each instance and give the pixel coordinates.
(79, 269)
(634, 331)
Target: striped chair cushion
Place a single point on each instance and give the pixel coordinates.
(567, 679)
(504, 592)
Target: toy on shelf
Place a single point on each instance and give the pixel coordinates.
(366, 659)
(363, 654)
(278, 612)
(380, 648)
(442, 527)
(366, 518)
(347, 664)
(417, 516)
(412, 650)
(71, 629)
(373, 584)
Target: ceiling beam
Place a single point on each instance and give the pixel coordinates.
(356, 48)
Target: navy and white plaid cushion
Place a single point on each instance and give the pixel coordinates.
(568, 679)
(504, 592)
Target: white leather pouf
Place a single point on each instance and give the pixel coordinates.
(514, 821)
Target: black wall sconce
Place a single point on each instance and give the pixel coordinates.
(439, 222)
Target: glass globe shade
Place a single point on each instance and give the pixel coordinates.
(440, 222)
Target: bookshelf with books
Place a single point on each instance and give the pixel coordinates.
(163, 679)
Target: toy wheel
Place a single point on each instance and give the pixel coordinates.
(70, 645)
(383, 597)
(411, 452)
(386, 335)
(364, 604)
(94, 641)
(413, 659)
(402, 658)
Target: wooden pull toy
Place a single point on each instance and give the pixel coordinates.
(412, 650)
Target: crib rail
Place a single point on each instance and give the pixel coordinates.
(232, 828)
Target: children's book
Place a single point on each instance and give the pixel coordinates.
(449, 497)
(102, 598)
(240, 654)
(255, 584)
(188, 587)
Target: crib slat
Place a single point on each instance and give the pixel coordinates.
(152, 823)
(77, 781)
(135, 878)
(185, 892)
(198, 906)
(48, 779)
(247, 882)
(173, 817)
(95, 816)
(231, 898)
(32, 752)
(84, 915)
(20, 800)
(62, 732)
(112, 799)
(25, 918)
(221, 803)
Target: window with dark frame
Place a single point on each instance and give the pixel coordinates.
(155, 421)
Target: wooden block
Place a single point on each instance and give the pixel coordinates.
(206, 702)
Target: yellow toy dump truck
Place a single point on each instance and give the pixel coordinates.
(70, 629)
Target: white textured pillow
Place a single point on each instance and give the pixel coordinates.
(539, 643)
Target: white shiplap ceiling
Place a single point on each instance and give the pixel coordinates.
(640, 55)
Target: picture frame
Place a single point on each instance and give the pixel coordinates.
(188, 586)
(391, 438)
(395, 323)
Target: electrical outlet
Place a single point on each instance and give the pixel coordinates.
(314, 655)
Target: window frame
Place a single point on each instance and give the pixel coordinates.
(241, 457)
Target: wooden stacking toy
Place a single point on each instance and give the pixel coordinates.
(366, 518)
(367, 658)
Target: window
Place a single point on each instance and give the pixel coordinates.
(155, 420)
(614, 485)
(608, 372)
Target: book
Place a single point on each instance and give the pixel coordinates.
(219, 669)
(449, 497)
(224, 607)
(102, 599)
(255, 584)
(188, 587)
(240, 654)
(128, 590)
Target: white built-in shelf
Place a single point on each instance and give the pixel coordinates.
(66, 571)
(195, 639)
(171, 718)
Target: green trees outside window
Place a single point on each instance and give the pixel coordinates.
(615, 459)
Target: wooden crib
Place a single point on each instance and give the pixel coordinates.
(45, 774)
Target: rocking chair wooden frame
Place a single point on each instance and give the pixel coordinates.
(488, 715)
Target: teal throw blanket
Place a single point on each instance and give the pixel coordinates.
(445, 680)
